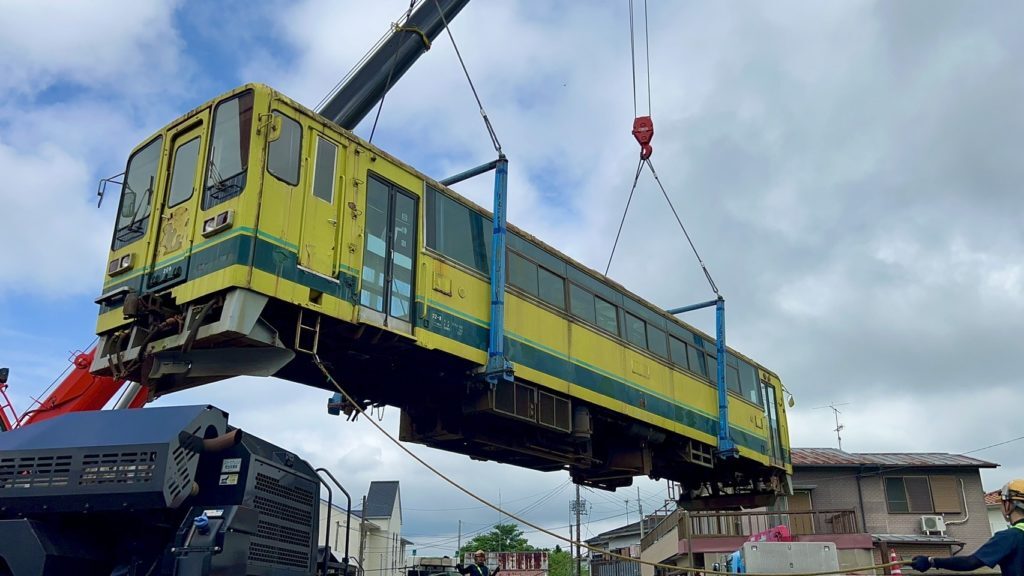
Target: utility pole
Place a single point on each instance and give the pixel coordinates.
(460, 540)
(579, 553)
(640, 508)
(363, 534)
(578, 507)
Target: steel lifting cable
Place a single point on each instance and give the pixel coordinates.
(394, 60)
(483, 113)
(707, 273)
(643, 131)
(632, 55)
(636, 177)
(456, 485)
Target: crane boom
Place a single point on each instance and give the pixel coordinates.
(77, 392)
(368, 84)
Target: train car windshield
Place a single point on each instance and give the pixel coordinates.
(137, 194)
(229, 150)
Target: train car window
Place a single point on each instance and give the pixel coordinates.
(284, 153)
(551, 288)
(375, 257)
(137, 194)
(183, 175)
(607, 317)
(697, 362)
(677, 350)
(581, 303)
(748, 381)
(539, 255)
(656, 341)
(732, 379)
(458, 232)
(636, 332)
(229, 150)
(711, 367)
(577, 276)
(323, 169)
(522, 273)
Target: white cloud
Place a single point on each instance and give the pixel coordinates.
(53, 223)
(117, 45)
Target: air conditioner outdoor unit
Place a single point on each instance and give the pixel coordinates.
(933, 525)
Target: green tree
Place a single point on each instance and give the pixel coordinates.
(559, 562)
(503, 538)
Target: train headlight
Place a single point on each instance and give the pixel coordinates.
(218, 223)
(119, 265)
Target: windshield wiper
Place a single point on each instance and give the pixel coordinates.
(135, 223)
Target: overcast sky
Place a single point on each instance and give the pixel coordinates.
(850, 172)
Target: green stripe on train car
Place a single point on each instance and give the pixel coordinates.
(274, 259)
(473, 334)
(268, 256)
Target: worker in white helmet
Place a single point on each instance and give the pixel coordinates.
(1005, 548)
(478, 567)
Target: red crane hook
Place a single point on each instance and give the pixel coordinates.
(643, 131)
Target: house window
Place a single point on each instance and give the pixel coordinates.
(908, 494)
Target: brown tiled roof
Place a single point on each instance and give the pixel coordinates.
(832, 457)
(993, 498)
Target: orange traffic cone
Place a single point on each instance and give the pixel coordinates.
(895, 570)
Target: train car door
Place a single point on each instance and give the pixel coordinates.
(389, 256)
(771, 414)
(318, 237)
(178, 208)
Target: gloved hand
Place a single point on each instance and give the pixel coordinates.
(921, 563)
(459, 568)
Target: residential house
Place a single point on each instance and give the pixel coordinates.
(624, 541)
(867, 504)
(340, 525)
(383, 550)
(994, 503)
(376, 545)
(918, 503)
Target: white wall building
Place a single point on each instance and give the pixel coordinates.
(375, 532)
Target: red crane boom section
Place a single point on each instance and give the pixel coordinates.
(79, 391)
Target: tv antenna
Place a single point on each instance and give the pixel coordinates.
(839, 427)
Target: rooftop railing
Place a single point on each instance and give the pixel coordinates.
(732, 524)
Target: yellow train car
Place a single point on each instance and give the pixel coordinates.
(252, 232)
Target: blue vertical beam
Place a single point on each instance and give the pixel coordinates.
(497, 365)
(726, 446)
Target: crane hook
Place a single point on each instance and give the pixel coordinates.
(643, 131)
